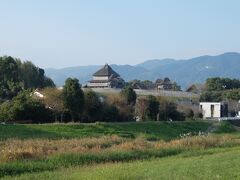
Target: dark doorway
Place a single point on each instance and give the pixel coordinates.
(212, 111)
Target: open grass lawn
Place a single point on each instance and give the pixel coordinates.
(151, 130)
(212, 164)
(149, 150)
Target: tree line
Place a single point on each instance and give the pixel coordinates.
(19, 101)
(149, 85)
(221, 89)
(16, 76)
(75, 105)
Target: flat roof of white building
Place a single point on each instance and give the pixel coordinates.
(210, 103)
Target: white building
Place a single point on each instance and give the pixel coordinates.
(213, 110)
(37, 94)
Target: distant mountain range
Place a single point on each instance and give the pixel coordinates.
(184, 72)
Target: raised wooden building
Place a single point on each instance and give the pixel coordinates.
(164, 84)
(106, 77)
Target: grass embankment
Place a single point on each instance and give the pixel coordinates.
(40, 148)
(213, 164)
(20, 160)
(225, 127)
(150, 130)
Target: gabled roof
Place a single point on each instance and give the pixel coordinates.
(106, 71)
(196, 88)
(158, 81)
(164, 81)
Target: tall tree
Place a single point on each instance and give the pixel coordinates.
(176, 87)
(34, 77)
(93, 105)
(73, 97)
(16, 76)
(53, 99)
(211, 96)
(153, 107)
(10, 83)
(129, 95)
(141, 108)
(219, 84)
(168, 111)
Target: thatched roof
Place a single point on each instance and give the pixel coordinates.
(106, 71)
(164, 81)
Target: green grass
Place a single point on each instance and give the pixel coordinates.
(225, 127)
(195, 161)
(151, 130)
(211, 164)
(215, 166)
(187, 147)
(71, 160)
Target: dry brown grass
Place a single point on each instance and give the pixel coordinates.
(200, 142)
(14, 149)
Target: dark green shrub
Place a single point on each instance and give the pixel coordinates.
(24, 108)
(129, 95)
(168, 111)
(92, 106)
(199, 115)
(110, 113)
(189, 113)
(73, 97)
(153, 107)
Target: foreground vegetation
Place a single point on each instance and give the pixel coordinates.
(150, 130)
(141, 150)
(212, 164)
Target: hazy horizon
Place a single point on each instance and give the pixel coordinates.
(60, 33)
(119, 64)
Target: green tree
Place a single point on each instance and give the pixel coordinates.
(73, 97)
(53, 98)
(232, 94)
(153, 107)
(33, 77)
(148, 84)
(189, 113)
(219, 84)
(48, 82)
(29, 74)
(16, 76)
(10, 83)
(110, 113)
(24, 107)
(168, 111)
(92, 106)
(211, 96)
(5, 111)
(176, 87)
(129, 95)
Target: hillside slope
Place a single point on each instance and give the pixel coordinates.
(185, 72)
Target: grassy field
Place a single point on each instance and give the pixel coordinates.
(151, 130)
(147, 150)
(212, 164)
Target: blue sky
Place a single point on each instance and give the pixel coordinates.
(62, 33)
